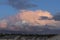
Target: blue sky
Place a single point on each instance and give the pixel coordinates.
(52, 6)
(6, 10)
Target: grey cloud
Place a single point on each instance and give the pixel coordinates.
(45, 18)
(21, 4)
(57, 17)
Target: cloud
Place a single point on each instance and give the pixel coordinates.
(27, 20)
(34, 17)
(3, 23)
(22, 4)
(57, 17)
(38, 18)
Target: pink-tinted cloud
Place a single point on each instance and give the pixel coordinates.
(3, 23)
(34, 16)
(27, 20)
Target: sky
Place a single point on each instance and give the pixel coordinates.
(49, 5)
(24, 14)
(52, 6)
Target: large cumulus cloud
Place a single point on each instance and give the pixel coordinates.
(35, 17)
(30, 20)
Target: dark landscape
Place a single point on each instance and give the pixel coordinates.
(24, 35)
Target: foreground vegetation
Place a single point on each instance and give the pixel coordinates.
(25, 36)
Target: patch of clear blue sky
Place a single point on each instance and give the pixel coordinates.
(52, 6)
(6, 10)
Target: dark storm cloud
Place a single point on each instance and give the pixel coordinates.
(45, 18)
(22, 4)
(57, 16)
